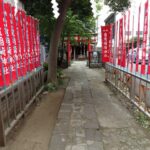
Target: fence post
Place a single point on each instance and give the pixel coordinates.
(2, 131)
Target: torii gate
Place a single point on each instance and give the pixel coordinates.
(79, 39)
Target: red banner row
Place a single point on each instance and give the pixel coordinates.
(19, 44)
(124, 52)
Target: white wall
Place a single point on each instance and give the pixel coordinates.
(103, 14)
(134, 10)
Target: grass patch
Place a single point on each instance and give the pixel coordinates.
(143, 119)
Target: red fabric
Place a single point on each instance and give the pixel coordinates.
(116, 43)
(33, 43)
(4, 65)
(27, 46)
(110, 44)
(138, 40)
(21, 43)
(78, 38)
(89, 46)
(37, 35)
(128, 36)
(24, 43)
(145, 33)
(131, 67)
(38, 43)
(16, 44)
(10, 37)
(106, 31)
(123, 62)
(69, 52)
(120, 48)
(30, 42)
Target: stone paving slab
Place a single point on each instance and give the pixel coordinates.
(92, 118)
(58, 142)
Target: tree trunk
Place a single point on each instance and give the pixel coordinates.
(53, 52)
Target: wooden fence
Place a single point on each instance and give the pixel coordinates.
(16, 99)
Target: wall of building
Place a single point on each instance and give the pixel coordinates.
(103, 14)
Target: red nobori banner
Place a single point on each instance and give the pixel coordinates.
(38, 38)
(33, 43)
(138, 40)
(110, 44)
(123, 62)
(120, 48)
(4, 66)
(106, 38)
(37, 43)
(148, 71)
(16, 45)
(116, 43)
(29, 43)
(132, 49)
(9, 42)
(22, 40)
(22, 33)
(145, 33)
(27, 47)
(128, 35)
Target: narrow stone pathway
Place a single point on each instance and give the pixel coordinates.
(92, 118)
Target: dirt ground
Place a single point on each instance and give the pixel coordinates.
(34, 131)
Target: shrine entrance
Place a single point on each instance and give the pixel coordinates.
(78, 48)
(79, 52)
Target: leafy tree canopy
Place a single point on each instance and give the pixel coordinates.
(79, 18)
(74, 25)
(42, 9)
(118, 5)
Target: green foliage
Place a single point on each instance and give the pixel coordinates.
(59, 73)
(81, 8)
(71, 24)
(60, 76)
(98, 6)
(142, 119)
(45, 66)
(50, 87)
(75, 26)
(60, 81)
(79, 19)
(118, 5)
(42, 9)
